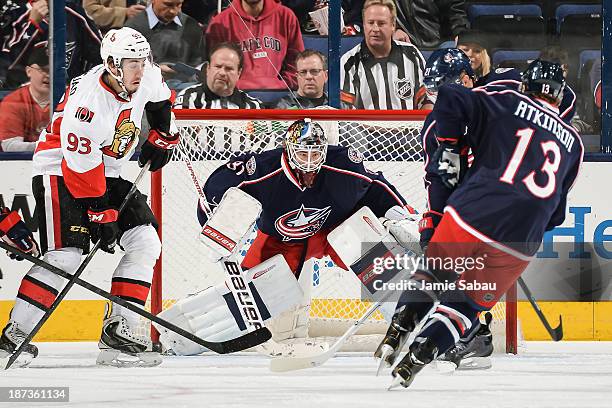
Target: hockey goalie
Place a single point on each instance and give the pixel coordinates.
(305, 190)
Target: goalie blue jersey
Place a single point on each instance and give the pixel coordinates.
(294, 213)
(526, 158)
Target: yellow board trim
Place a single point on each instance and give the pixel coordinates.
(81, 320)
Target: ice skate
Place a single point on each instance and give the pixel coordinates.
(121, 347)
(393, 342)
(405, 371)
(475, 354)
(12, 337)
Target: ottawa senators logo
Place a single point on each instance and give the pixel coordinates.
(126, 133)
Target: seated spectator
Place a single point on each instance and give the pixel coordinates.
(381, 73)
(218, 90)
(108, 14)
(174, 36)
(312, 76)
(269, 35)
(30, 28)
(25, 112)
(427, 23)
(475, 47)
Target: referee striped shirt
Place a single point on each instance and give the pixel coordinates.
(201, 97)
(393, 82)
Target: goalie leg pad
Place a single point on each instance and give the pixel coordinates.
(212, 314)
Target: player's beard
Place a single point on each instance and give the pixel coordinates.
(306, 178)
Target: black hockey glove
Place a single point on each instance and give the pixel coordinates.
(452, 164)
(158, 149)
(14, 232)
(427, 227)
(103, 227)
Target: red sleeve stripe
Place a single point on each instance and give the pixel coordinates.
(444, 139)
(36, 293)
(91, 183)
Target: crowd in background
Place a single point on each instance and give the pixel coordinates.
(257, 54)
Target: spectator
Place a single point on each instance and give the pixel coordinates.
(174, 36)
(30, 28)
(428, 23)
(381, 73)
(25, 112)
(312, 76)
(218, 90)
(108, 14)
(270, 38)
(474, 45)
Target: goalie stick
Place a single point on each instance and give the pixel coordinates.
(555, 333)
(243, 342)
(73, 278)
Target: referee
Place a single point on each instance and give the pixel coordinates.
(218, 90)
(381, 73)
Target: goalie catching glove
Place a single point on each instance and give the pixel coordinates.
(14, 232)
(452, 163)
(213, 314)
(158, 149)
(403, 226)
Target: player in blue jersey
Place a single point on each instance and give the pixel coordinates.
(306, 189)
(526, 158)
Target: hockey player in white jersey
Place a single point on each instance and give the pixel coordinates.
(77, 186)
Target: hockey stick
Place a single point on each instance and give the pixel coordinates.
(557, 333)
(281, 364)
(246, 341)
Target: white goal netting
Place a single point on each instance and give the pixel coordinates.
(389, 143)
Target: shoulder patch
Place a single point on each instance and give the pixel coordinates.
(355, 155)
(251, 165)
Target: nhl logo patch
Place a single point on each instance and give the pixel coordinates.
(448, 57)
(403, 88)
(250, 166)
(355, 155)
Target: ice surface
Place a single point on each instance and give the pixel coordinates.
(566, 374)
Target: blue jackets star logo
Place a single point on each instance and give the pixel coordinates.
(301, 223)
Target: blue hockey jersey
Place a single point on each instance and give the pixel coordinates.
(292, 212)
(437, 193)
(526, 158)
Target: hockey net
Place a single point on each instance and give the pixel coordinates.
(389, 141)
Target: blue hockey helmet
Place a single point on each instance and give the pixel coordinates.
(544, 78)
(445, 66)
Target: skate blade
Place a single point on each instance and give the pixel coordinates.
(22, 361)
(115, 358)
(475, 363)
(385, 352)
(397, 382)
(443, 367)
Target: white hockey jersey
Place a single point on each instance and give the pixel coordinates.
(94, 131)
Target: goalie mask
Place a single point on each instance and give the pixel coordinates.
(120, 44)
(306, 148)
(544, 79)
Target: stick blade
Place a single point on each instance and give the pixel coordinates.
(246, 341)
(557, 332)
(284, 364)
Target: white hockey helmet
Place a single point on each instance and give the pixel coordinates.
(306, 145)
(123, 43)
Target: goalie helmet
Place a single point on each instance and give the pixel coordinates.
(306, 148)
(545, 79)
(121, 44)
(446, 66)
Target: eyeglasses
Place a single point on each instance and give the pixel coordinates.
(41, 70)
(314, 72)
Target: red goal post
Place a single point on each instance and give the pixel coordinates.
(389, 140)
